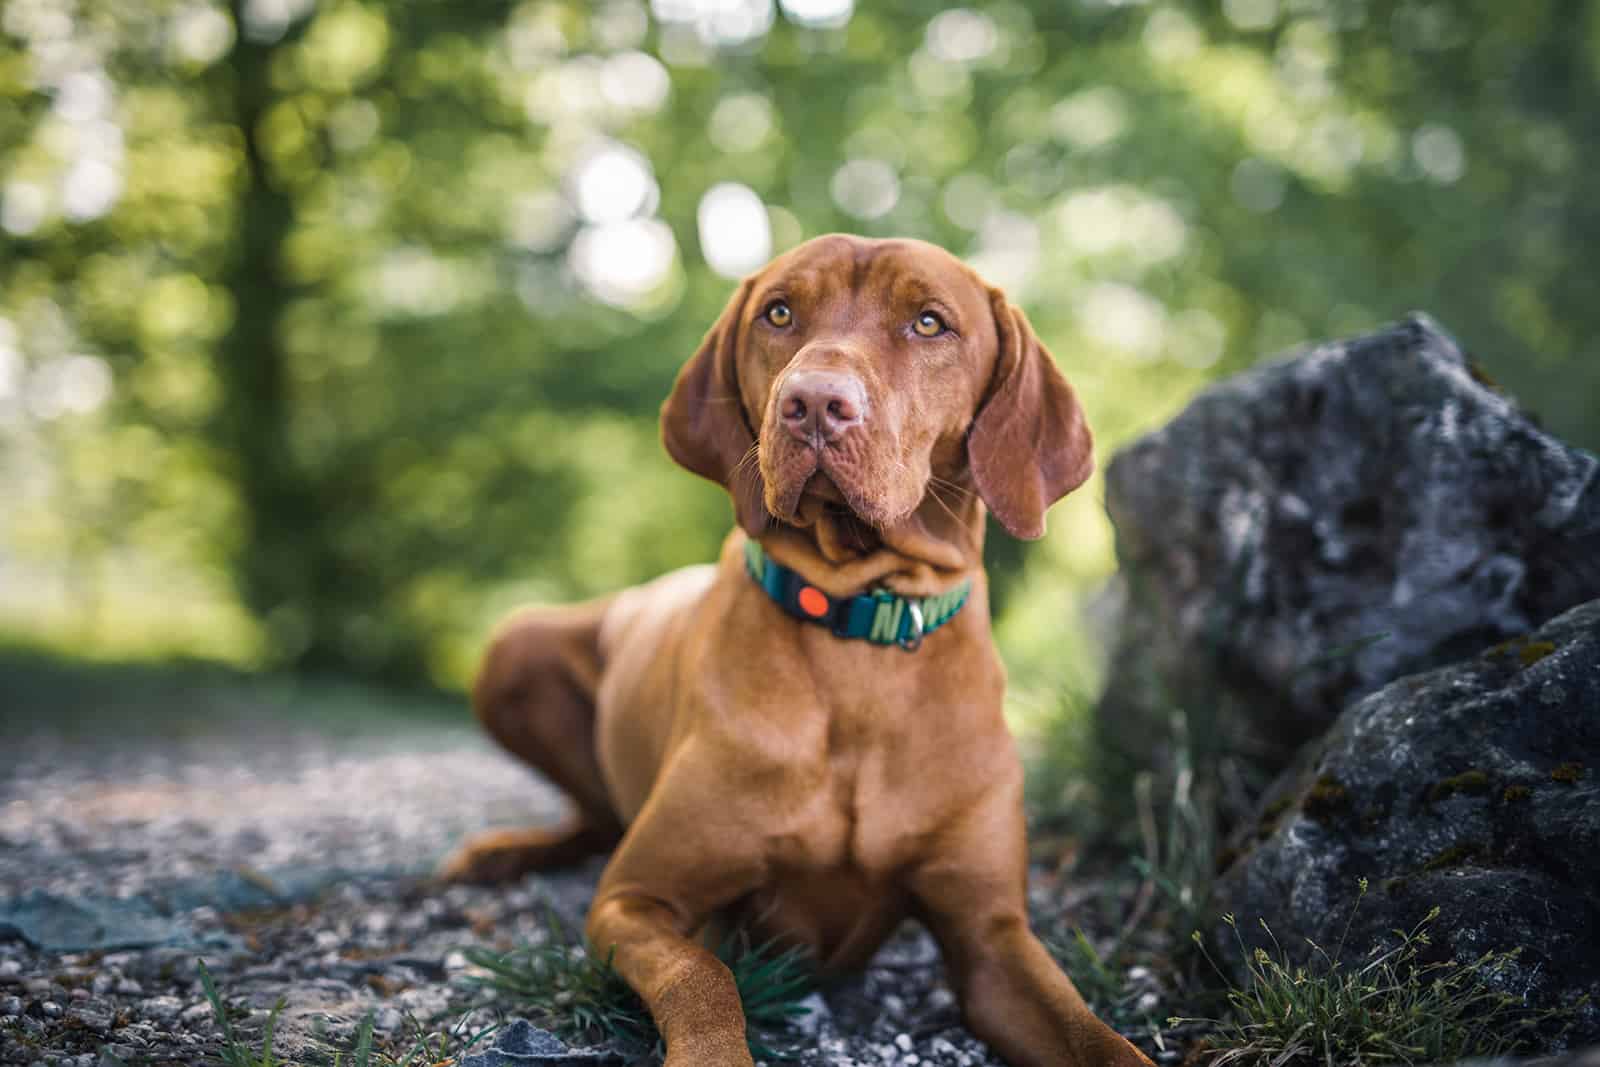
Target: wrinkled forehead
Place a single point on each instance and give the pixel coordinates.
(895, 273)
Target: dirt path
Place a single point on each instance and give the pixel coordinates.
(291, 854)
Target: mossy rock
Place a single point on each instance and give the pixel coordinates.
(1468, 788)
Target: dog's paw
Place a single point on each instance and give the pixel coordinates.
(499, 856)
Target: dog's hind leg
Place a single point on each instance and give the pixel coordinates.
(535, 695)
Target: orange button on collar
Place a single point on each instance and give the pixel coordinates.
(812, 602)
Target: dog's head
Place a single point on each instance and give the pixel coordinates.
(858, 373)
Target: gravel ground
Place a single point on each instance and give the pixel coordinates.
(293, 859)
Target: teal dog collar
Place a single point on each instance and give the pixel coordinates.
(882, 617)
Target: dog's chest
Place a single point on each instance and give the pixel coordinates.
(831, 880)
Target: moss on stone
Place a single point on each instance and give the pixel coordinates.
(1454, 856)
(1516, 792)
(1472, 781)
(1326, 798)
(1532, 652)
(1568, 773)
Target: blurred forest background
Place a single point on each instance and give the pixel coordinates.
(330, 329)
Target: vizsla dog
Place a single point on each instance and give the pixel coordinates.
(806, 737)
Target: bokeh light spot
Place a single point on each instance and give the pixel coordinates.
(1439, 153)
(962, 35)
(865, 188)
(741, 122)
(623, 262)
(635, 82)
(735, 236)
(819, 14)
(201, 35)
(1123, 318)
(613, 182)
(722, 23)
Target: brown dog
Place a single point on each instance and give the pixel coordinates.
(862, 401)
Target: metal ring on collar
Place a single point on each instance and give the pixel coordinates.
(913, 641)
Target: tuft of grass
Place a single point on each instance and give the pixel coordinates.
(1393, 1008)
(1102, 980)
(235, 1051)
(585, 999)
(428, 1047)
(361, 1056)
(432, 1047)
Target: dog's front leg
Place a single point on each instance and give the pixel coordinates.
(971, 891)
(690, 993)
(687, 854)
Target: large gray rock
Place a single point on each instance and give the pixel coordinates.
(1473, 788)
(1314, 528)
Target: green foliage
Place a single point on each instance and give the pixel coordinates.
(587, 1001)
(1392, 1008)
(305, 357)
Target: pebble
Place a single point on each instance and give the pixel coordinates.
(161, 1009)
(194, 1013)
(91, 1019)
(10, 1006)
(51, 1009)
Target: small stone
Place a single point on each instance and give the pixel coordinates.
(903, 1042)
(161, 1009)
(102, 984)
(195, 1013)
(10, 1006)
(387, 1020)
(814, 1011)
(10, 968)
(91, 1019)
(50, 1009)
(127, 987)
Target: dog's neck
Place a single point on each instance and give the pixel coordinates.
(936, 547)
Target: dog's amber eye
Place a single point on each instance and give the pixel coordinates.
(779, 314)
(928, 325)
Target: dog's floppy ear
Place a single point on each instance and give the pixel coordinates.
(703, 422)
(1029, 444)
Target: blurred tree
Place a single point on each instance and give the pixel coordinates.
(328, 328)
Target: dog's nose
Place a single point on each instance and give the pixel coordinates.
(821, 403)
